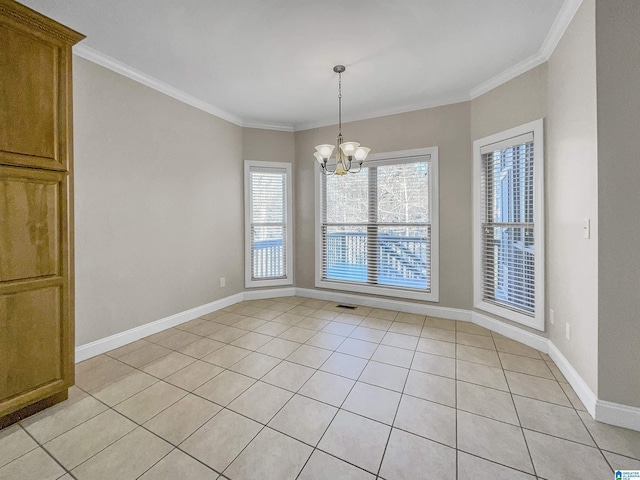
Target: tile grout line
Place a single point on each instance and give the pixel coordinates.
(340, 408)
(271, 418)
(315, 447)
(379, 344)
(524, 437)
(355, 413)
(595, 442)
(305, 343)
(572, 406)
(140, 369)
(456, 404)
(139, 425)
(160, 459)
(498, 463)
(263, 425)
(395, 415)
(66, 470)
(158, 413)
(38, 445)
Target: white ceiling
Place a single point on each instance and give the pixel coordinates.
(269, 62)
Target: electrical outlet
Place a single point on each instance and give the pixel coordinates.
(586, 228)
(568, 331)
(551, 319)
(223, 282)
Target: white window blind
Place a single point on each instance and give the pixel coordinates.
(268, 229)
(376, 226)
(509, 228)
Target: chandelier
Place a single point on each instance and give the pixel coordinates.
(347, 151)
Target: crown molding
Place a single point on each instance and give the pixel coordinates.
(123, 69)
(269, 126)
(508, 74)
(561, 23)
(114, 65)
(450, 100)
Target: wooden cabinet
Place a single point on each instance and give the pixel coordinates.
(36, 218)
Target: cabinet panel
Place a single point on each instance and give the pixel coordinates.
(30, 212)
(28, 96)
(31, 338)
(36, 221)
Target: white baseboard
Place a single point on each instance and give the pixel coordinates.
(510, 331)
(261, 294)
(617, 414)
(603, 411)
(386, 303)
(585, 394)
(103, 345)
(607, 412)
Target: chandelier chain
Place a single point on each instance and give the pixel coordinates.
(347, 151)
(340, 102)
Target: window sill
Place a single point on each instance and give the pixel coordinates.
(379, 290)
(267, 283)
(536, 322)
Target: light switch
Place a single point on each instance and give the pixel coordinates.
(586, 228)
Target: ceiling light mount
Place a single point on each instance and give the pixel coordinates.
(347, 151)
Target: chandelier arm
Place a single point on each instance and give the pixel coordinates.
(326, 171)
(356, 171)
(345, 151)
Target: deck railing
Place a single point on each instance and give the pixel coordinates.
(402, 260)
(269, 259)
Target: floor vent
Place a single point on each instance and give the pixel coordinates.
(348, 307)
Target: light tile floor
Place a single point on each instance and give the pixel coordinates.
(298, 388)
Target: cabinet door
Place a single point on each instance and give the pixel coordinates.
(33, 97)
(29, 224)
(35, 334)
(30, 340)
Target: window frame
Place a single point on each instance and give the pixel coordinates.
(537, 320)
(380, 159)
(288, 279)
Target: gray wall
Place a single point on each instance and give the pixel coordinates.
(267, 145)
(159, 194)
(572, 195)
(158, 204)
(618, 69)
(516, 102)
(270, 146)
(444, 127)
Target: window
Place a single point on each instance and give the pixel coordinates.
(377, 230)
(508, 224)
(268, 232)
